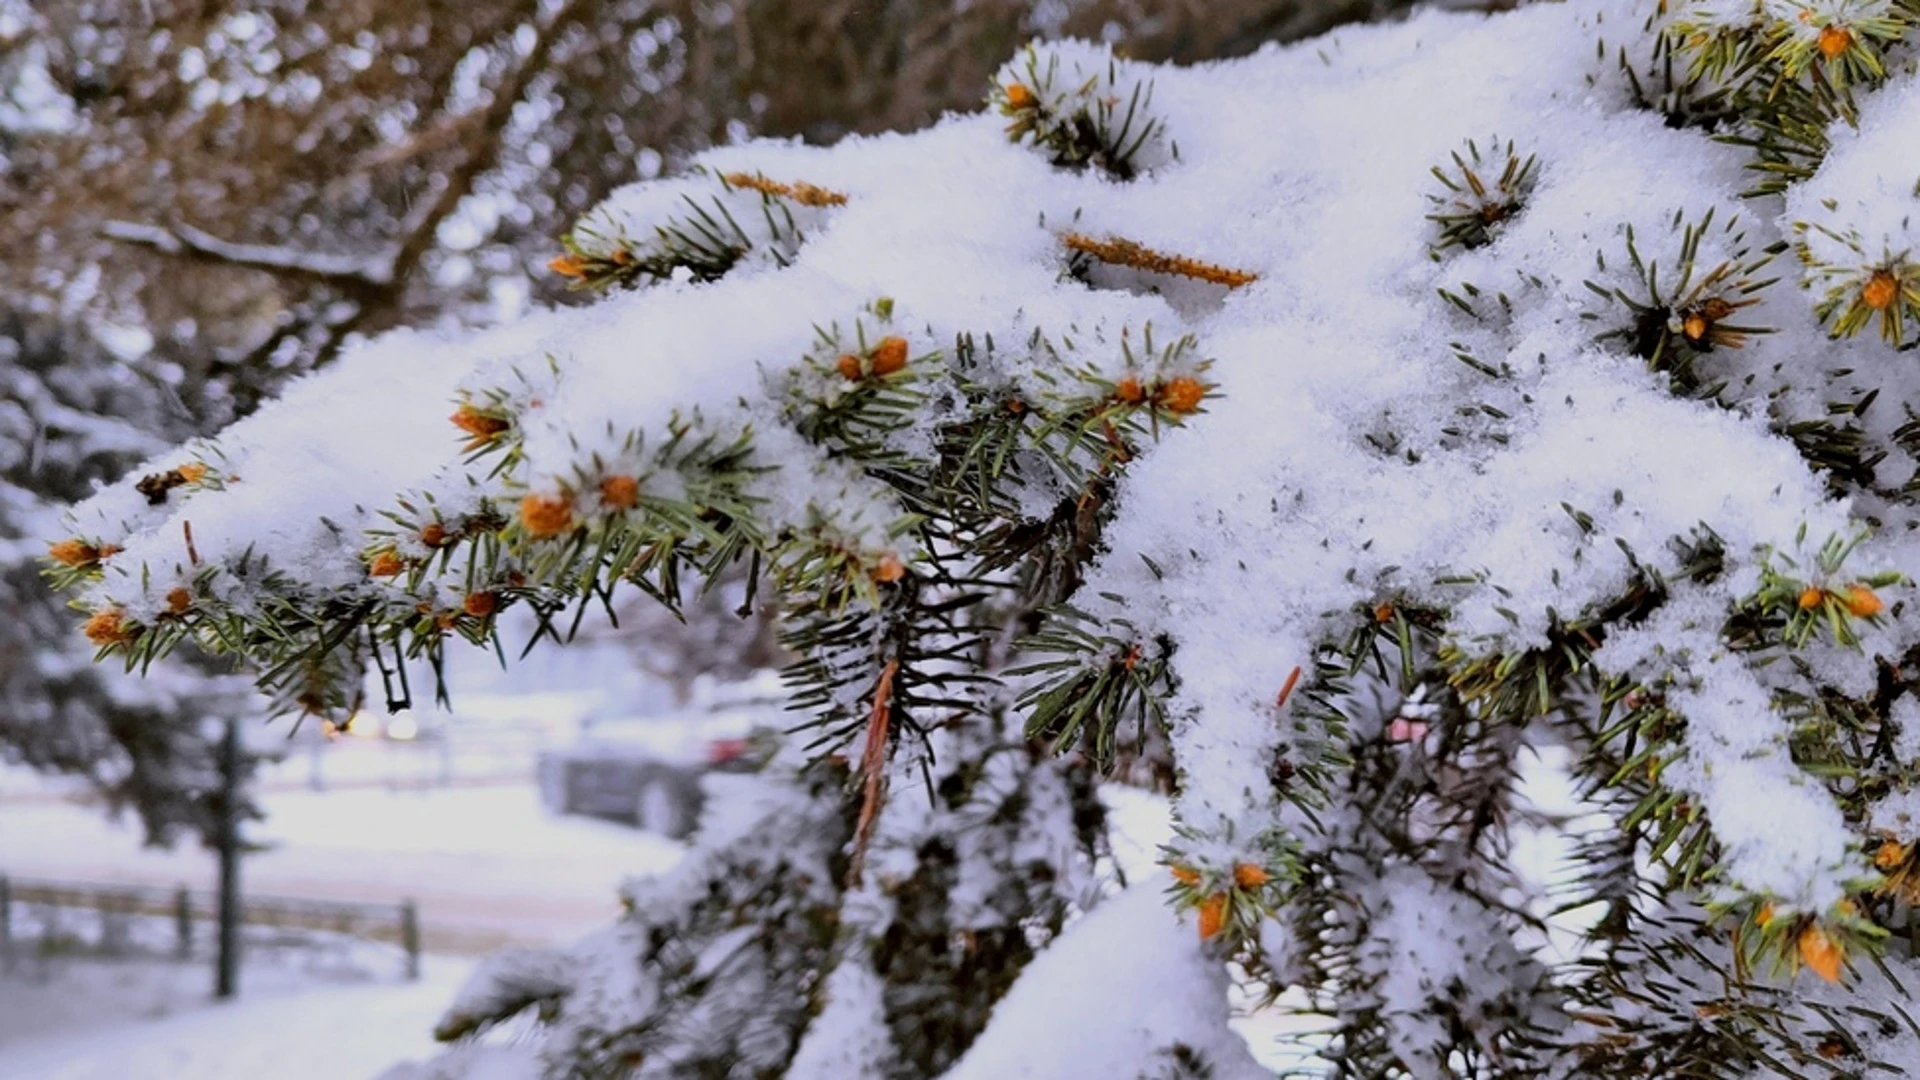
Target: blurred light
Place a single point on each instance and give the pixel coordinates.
(402, 727)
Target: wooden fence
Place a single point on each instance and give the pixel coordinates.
(396, 924)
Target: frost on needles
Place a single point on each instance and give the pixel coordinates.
(1331, 434)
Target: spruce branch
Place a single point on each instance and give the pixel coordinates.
(1103, 121)
(1119, 251)
(1472, 209)
(1101, 677)
(741, 217)
(1692, 310)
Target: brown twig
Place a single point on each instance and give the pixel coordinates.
(799, 191)
(1118, 251)
(1293, 680)
(193, 556)
(873, 766)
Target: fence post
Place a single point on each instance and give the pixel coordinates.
(6, 923)
(116, 910)
(410, 936)
(183, 923)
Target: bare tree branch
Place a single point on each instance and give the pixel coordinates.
(481, 142)
(353, 273)
(376, 283)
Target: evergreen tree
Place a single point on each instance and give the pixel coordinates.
(73, 414)
(1269, 420)
(245, 188)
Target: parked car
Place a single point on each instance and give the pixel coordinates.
(646, 770)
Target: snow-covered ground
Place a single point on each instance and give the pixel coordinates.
(487, 865)
(153, 1020)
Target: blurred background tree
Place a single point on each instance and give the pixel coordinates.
(201, 199)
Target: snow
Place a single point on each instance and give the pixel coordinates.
(1349, 458)
(488, 866)
(848, 1037)
(293, 1031)
(1078, 1010)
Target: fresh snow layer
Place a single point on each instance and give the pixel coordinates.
(1078, 1011)
(286, 1032)
(1350, 457)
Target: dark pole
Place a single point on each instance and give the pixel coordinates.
(6, 924)
(410, 937)
(183, 923)
(227, 969)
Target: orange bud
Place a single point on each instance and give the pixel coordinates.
(108, 627)
(1819, 952)
(1694, 326)
(1834, 40)
(889, 356)
(479, 604)
(1383, 613)
(1889, 854)
(179, 599)
(622, 257)
(478, 424)
(568, 266)
(1182, 394)
(1248, 876)
(387, 563)
(1213, 916)
(1862, 602)
(74, 553)
(1185, 875)
(545, 515)
(1881, 290)
(890, 568)
(849, 367)
(1764, 915)
(619, 492)
(1810, 598)
(1129, 391)
(1018, 96)
(434, 535)
(192, 472)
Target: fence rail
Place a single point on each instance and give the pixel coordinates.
(395, 924)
